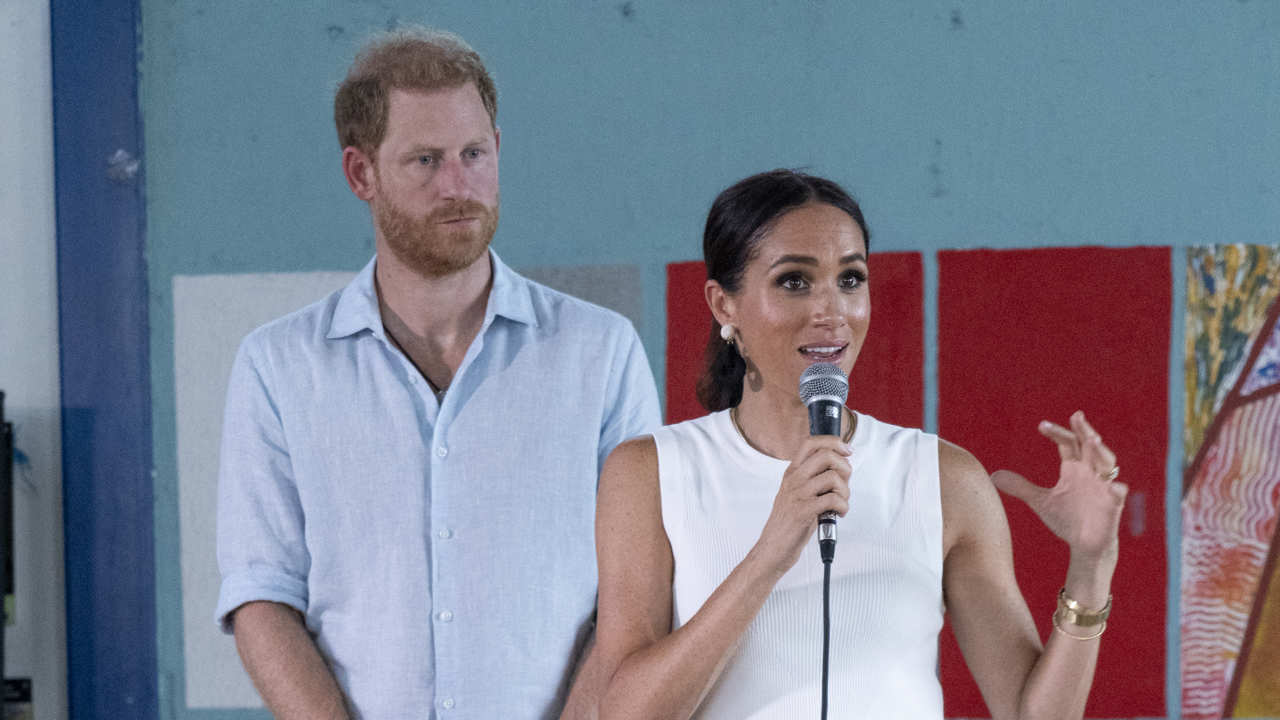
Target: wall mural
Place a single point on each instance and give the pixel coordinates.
(1231, 484)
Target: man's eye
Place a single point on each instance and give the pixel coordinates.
(425, 160)
(473, 153)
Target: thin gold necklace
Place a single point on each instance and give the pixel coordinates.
(733, 415)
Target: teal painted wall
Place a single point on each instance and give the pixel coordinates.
(956, 124)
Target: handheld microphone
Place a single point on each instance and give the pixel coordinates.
(823, 389)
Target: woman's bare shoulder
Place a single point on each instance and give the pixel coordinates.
(633, 457)
(958, 468)
(970, 504)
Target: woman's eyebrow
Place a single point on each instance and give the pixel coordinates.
(810, 260)
(802, 259)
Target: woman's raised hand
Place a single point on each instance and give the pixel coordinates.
(816, 481)
(1084, 507)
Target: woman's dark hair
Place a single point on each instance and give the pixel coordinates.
(739, 218)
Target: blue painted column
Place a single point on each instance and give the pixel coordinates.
(105, 366)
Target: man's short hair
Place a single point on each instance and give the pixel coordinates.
(412, 58)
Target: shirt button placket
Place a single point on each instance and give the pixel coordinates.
(442, 559)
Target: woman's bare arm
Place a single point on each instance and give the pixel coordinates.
(1019, 677)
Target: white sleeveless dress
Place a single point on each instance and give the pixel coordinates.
(886, 581)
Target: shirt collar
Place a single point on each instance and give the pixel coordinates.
(357, 308)
(511, 295)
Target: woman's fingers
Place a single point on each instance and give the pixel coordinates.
(820, 481)
(1100, 457)
(818, 457)
(825, 491)
(1067, 442)
(827, 483)
(1080, 442)
(1093, 451)
(831, 502)
(817, 444)
(1011, 483)
(830, 480)
(816, 481)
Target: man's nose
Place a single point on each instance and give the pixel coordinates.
(451, 179)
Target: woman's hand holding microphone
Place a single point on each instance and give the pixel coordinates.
(817, 481)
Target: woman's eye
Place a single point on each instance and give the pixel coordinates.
(792, 281)
(851, 280)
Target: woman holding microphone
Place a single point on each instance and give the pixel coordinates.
(710, 585)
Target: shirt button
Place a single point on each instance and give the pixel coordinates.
(447, 703)
(444, 534)
(442, 451)
(446, 615)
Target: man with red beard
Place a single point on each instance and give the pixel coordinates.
(407, 487)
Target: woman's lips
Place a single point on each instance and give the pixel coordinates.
(830, 353)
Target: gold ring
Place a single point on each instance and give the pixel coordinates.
(1112, 475)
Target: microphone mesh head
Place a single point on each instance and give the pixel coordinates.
(823, 380)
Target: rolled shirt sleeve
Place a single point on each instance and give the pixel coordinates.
(262, 552)
(632, 407)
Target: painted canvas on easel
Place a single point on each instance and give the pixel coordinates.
(1231, 484)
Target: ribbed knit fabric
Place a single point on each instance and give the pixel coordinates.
(886, 581)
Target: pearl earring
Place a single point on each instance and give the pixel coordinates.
(726, 333)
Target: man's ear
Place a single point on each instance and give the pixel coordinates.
(358, 168)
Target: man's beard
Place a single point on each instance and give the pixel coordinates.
(432, 249)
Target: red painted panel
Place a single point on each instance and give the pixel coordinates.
(887, 380)
(688, 326)
(1025, 335)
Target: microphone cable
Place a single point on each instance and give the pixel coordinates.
(826, 630)
(827, 547)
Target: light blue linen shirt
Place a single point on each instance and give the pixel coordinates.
(442, 553)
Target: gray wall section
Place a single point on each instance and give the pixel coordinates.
(956, 124)
(35, 644)
(617, 287)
